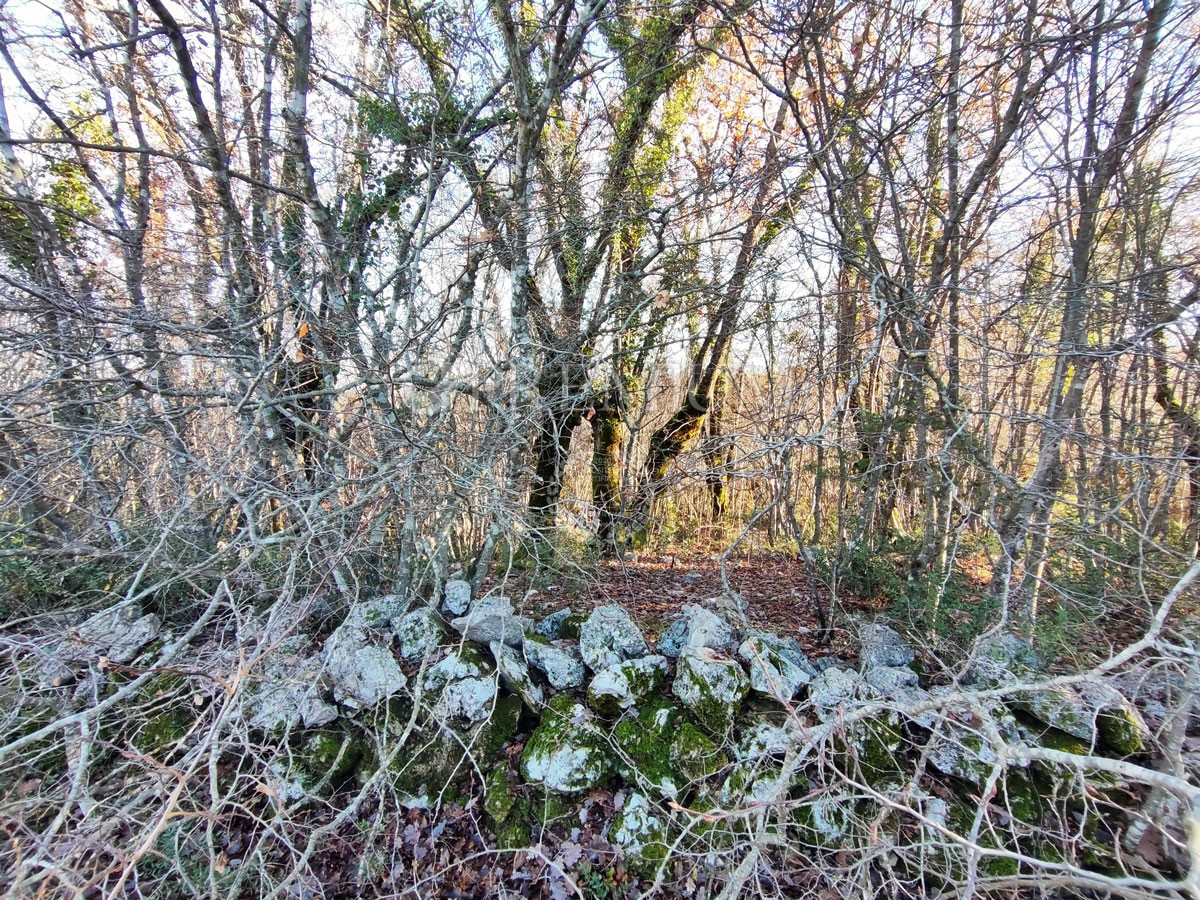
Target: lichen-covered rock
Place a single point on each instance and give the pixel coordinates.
(891, 681)
(711, 686)
(834, 688)
(761, 737)
(118, 634)
(1119, 724)
(821, 663)
(326, 757)
(419, 632)
(697, 627)
(880, 645)
(358, 658)
(1092, 712)
(561, 664)
(1002, 659)
(610, 636)
(641, 833)
(672, 641)
(1014, 653)
(758, 782)
(1155, 689)
(551, 627)
(362, 674)
(566, 753)
(493, 619)
(510, 662)
(1061, 707)
(456, 597)
(825, 821)
(464, 661)
(963, 752)
(287, 689)
(461, 686)
(778, 667)
(620, 686)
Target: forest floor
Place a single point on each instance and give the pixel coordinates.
(781, 596)
(784, 598)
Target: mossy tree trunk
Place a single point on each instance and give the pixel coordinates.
(608, 436)
(720, 452)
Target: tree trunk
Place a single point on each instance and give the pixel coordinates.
(608, 435)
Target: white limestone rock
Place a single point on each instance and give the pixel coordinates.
(513, 669)
(610, 636)
(287, 690)
(117, 634)
(461, 685)
(695, 627)
(419, 633)
(778, 668)
(620, 686)
(833, 688)
(362, 673)
(456, 598)
(561, 664)
(493, 619)
(711, 686)
(880, 645)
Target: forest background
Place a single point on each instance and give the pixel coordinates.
(318, 301)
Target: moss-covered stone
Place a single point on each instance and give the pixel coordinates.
(824, 822)
(712, 687)
(566, 753)
(621, 686)
(663, 751)
(1066, 784)
(694, 754)
(960, 821)
(547, 807)
(1021, 796)
(491, 737)
(328, 756)
(430, 769)
(874, 749)
(438, 760)
(165, 716)
(1122, 728)
(640, 830)
(388, 718)
(515, 831)
(509, 813)
(569, 629)
(464, 661)
(499, 798)
(645, 744)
